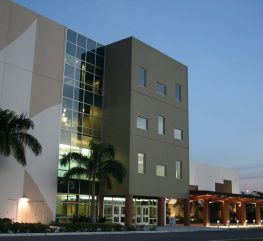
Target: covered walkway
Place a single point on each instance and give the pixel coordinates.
(240, 201)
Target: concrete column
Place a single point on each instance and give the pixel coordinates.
(161, 211)
(206, 213)
(187, 212)
(258, 214)
(128, 209)
(243, 214)
(101, 200)
(225, 212)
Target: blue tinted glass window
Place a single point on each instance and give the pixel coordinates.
(68, 91)
(178, 94)
(99, 61)
(142, 77)
(88, 98)
(71, 49)
(69, 71)
(81, 41)
(81, 53)
(71, 36)
(90, 58)
(67, 103)
(78, 74)
(91, 45)
(97, 100)
(78, 94)
(161, 89)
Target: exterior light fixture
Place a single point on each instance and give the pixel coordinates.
(246, 222)
(254, 222)
(228, 223)
(218, 222)
(237, 223)
(23, 201)
(261, 221)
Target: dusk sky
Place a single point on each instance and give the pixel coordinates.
(221, 42)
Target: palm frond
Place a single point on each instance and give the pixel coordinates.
(76, 171)
(30, 141)
(18, 151)
(78, 157)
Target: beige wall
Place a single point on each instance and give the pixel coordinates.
(129, 100)
(31, 77)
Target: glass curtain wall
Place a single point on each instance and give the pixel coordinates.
(81, 117)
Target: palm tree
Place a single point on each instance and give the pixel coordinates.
(14, 136)
(100, 165)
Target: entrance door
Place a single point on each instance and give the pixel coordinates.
(142, 215)
(118, 214)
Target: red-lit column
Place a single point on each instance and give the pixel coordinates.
(225, 212)
(243, 214)
(128, 209)
(187, 212)
(161, 211)
(206, 213)
(258, 214)
(238, 212)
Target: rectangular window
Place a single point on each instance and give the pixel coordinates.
(141, 163)
(178, 94)
(160, 170)
(178, 134)
(178, 171)
(142, 123)
(161, 125)
(142, 77)
(160, 89)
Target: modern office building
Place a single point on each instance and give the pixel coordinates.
(76, 90)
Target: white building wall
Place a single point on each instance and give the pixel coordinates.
(205, 176)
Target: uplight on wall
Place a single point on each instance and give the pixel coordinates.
(23, 201)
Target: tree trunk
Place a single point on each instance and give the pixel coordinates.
(93, 207)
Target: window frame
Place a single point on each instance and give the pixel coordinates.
(146, 123)
(165, 170)
(145, 77)
(157, 89)
(143, 164)
(178, 93)
(180, 171)
(163, 125)
(181, 132)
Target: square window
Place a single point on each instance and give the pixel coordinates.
(161, 125)
(178, 94)
(178, 134)
(160, 170)
(142, 77)
(142, 123)
(71, 36)
(160, 89)
(178, 171)
(141, 163)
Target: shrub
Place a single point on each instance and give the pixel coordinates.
(7, 226)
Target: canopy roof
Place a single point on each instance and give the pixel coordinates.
(223, 197)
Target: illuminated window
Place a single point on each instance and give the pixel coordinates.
(178, 171)
(161, 125)
(160, 170)
(160, 89)
(142, 77)
(142, 123)
(178, 134)
(141, 163)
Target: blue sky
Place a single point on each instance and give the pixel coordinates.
(221, 41)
